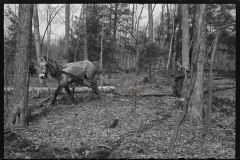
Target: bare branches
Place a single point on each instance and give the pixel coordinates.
(217, 30)
(148, 19)
(50, 22)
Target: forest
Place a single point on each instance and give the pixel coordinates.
(152, 80)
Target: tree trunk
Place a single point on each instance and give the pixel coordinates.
(192, 36)
(110, 37)
(37, 42)
(49, 29)
(171, 49)
(79, 22)
(22, 60)
(209, 108)
(168, 24)
(67, 26)
(132, 39)
(161, 27)
(150, 29)
(196, 102)
(85, 52)
(178, 34)
(100, 61)
(195, 88)
(185, 36)
(114, 31)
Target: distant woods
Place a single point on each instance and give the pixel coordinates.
(129, 40)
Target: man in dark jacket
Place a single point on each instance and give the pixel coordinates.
(179, 76)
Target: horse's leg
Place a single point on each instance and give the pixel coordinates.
(56, 93)
(95, 89)
(69, 93)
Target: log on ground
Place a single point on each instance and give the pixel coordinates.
(155, 93)
(77, 89)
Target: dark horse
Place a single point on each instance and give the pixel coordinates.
(80, 72)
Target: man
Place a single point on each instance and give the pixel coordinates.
(179, 76)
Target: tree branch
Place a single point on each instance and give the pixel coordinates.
(49, 24)
(217, 30)
(149, 19)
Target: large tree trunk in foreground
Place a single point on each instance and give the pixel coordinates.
(37, 42)
(196, 80)
(209, 109)
(198, 68)
(22, 59)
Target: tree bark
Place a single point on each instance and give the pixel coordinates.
(178, 34)
(37, 42)
(170, 55)
(67, 26)
(49, 29)
(22, 60)
(132, 38)
(85, 48)
(196, 80)
(79, 23)
(161, 27)
(198, 67)
(114, 31)
(150, 29)
(100, 61)
(185, 36)
(209, 108)
(168, 24)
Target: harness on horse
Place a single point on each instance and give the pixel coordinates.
(77, 78)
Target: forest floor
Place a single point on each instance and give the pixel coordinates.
(83, 130)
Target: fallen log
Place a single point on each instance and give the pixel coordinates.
(77, 89)
(155, 93)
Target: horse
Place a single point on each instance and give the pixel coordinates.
(79, 72)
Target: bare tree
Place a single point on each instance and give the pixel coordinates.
(195, 93)
(22, 60)
(150, 29)
(115, 13)
(133, 9)
(101, 53)
(171, 46)
(49, 29)
(67, 26)
(198, 67)
(79, 22)
(37, 41)
(85, 53)
(185, 36)
(209, 109)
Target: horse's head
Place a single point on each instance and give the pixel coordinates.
(48, 66)
(43, 68)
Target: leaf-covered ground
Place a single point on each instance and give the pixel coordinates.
(83, 130)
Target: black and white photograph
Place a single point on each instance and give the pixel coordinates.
(119, 80)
